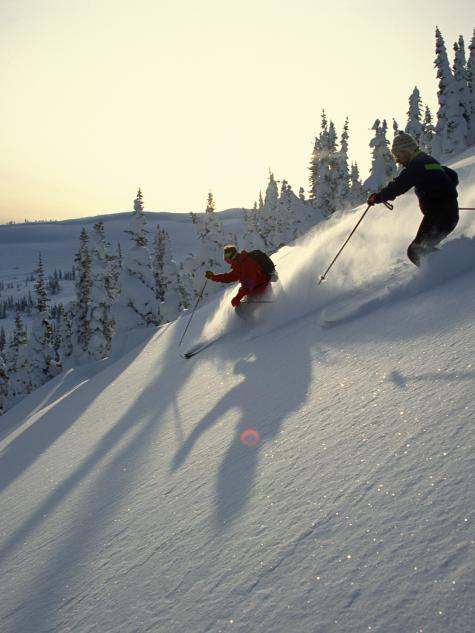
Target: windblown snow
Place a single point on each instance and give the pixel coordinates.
(292, 478)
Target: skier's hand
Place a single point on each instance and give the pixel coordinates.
(235, 301)
(209, 274)
(374, 198)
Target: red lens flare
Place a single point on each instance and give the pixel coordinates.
(250, 437)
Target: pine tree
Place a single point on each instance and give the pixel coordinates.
(82, 306)
(211, 205)
(136, 305)
(66, 332)
(357, 194)
(268, 215)
(315, 160)
(284, 228)
(252, 239)
(209, 256)
(342, 173)
(427, 134)
(4, 385)
(383, 167)
(451, 127)
(470, 75)
(324, 171)
(414, 125)
(39, 350)
(101, 323)
(138, 224)
(167, 277)
(3, 339)
(461, 87)
(16, 361)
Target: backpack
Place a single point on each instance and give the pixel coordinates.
(265, 262)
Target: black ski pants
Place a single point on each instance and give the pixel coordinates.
(431, 232)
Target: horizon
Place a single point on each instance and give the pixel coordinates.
(78, 146)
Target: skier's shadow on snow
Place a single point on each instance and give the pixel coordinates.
(264, 400)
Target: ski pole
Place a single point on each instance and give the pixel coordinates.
(322, 278)
(466, 209)
(193, 312)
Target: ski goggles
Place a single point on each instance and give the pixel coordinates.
(229, 255)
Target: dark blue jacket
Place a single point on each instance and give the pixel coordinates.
(434, 185)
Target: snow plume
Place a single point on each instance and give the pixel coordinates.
(373, 260)
(369, 255)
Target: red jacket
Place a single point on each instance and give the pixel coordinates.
(246, 270)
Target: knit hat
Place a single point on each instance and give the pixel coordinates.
(404, 141)
(229, 251)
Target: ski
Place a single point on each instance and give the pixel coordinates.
(200, 347)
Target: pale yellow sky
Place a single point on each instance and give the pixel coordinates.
(180, 97)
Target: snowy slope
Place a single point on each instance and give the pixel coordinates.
(291, 478)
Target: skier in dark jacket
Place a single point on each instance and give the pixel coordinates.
(434, 185)
(244, 268)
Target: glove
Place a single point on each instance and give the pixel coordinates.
(209, 274)
(374, 198)
(235, 301)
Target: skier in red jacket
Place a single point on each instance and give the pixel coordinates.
(254, 281)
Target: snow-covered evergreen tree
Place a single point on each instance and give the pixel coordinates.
(461, 85)
(284, 229)
(268, 215)
(357, 194)
(136, 305)
(252, 238)
(209, 256)
(4, 384)
(101, 323)
(428, 131)
(414, 125)
(383, 167)
(167, 278)
(342, 172)
(16, 361)
(65, 331)
(40, 354)
(470, 75)
(325, 171)
(82, 306)
(451, 127)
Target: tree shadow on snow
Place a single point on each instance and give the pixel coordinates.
(264, 399)
(101, 483)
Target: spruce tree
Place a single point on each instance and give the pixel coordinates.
(39, 351)
(268, 215)
(16, 361)
(101, 323)
(470, 75)
(82, 306)
(315, 160)
(461, 85)
(209, 256)
(167, 277)
(357, 194)
(451, 127)
(428, 131)
(136, 304)
(342, 173)
(383, 167)
(414, 125)
(325, 189)
(4, 386)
